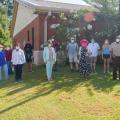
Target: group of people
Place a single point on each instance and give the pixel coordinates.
(82, 55)
(15, 57)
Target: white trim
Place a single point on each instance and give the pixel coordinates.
(57, 5)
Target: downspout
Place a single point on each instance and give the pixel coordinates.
(46, 26)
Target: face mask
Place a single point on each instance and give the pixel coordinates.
(1, 49)
(17, 47)
(72, 41)
(117, 40)
(8, 48)
(106, 42)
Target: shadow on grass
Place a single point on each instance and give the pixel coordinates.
(64, 81)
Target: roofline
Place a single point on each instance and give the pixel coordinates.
(59, 9)
(15, 9)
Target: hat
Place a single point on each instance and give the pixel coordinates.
(1, 46)
(84, 43)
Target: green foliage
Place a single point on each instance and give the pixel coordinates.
(8, 5)
(4, 29)
(106, 6)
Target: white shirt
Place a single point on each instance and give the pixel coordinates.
(93, 49)
(18, 57)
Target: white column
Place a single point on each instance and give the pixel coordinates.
(45, 26)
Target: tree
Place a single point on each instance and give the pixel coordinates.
(106, 6)
(8, 5)
(4, 28)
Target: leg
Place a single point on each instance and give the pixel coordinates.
(76, 62)
(108, 65)
(20, 71)
(94, 63)
(5, 67)
(11, 71)
(16, 72)
(91, 63)
(71, 62)
(9, 64)
(31, 67)
(114, 69)
(48, 71)
(0, 73)
(105, 64)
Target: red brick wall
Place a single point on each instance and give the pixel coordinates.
(38, 33)
(38, 25)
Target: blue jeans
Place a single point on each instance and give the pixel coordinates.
(9, 64)
(5, 68)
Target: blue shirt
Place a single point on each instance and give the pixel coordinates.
(106, 51)
(2, 58)
(72, 48)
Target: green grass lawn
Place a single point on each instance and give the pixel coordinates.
(68, 97)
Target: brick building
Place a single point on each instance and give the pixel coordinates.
(32, 20)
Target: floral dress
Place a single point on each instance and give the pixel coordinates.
(84, 62)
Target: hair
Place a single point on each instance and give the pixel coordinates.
(106, 45)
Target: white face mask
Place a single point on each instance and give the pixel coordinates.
(17, 47)
(117, 40)
(72, 41)
(1, 49)
(8, 48)
(106, 42)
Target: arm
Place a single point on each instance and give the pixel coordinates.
(102, 51)
(23, 55)
(44, 56)
(54, 55)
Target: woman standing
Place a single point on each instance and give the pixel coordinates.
(3, 64)
(106, 55)
(85, 68)
(18, 59)
(8, 53)
(29, 55)
(49, 57)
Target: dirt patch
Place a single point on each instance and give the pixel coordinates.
(64, 98)
(96, 109)
(116, 97)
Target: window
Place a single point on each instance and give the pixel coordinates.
(28, 35)
(33, 37)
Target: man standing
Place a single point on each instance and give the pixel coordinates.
(115, 51)
(72, 49)
(18, 60)
(93, 49)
